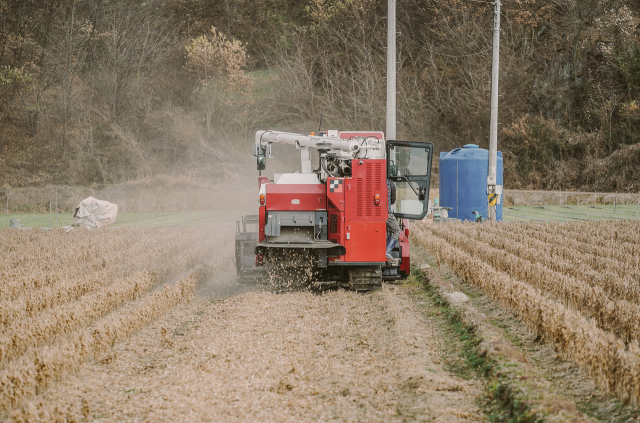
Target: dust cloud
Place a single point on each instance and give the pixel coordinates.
(223, 284)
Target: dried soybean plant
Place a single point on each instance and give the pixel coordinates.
(556, 304)
(621, 317)
(77, 298)
(38, 367)
(77, 269)
(579, 258)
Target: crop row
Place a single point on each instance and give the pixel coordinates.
(597, 258)
(612, 364)
(35, 249)
(59, 261)
(24, 333)
(38, 367)
(599, 241)
(620, 317)
(87, 252)
(568, 263)
(619, 231)
(48, 288)
(624, 232)
(603, 238)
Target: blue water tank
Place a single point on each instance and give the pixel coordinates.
(463, 182)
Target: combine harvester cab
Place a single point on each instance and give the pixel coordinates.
(328, 227)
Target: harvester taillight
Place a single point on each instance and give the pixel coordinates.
(376, 199)
(263, 200)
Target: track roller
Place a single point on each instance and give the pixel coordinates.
(365, 279)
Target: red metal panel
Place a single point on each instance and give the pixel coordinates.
(335, 208)
(405, 266)
(365, 241)
(296, 197)
(368, 179)
(262, 212)
(336, 226)
(339, 235)
(336, 188)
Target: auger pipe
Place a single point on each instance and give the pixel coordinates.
(310, 141)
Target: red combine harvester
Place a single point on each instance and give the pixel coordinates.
(327, 226)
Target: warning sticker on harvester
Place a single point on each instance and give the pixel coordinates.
(335, 185)
(493, 199)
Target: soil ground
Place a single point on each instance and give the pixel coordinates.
(259, 356)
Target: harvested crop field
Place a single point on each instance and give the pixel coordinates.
(69, 297)
(260, 356)
(148, 325)
(575, 285)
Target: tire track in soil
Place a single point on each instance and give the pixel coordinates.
(259, 356)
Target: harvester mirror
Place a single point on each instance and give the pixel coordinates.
(261, 162)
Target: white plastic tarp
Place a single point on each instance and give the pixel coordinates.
(93, 213)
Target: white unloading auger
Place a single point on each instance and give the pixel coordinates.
(346, 148)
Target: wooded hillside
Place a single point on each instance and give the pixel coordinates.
(96, 91)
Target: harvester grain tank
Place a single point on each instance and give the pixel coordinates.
(463, 173)
(328, 225)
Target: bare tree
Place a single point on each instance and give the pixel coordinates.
(130, 41)
(65, 58)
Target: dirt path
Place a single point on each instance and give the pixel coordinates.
(265, 357)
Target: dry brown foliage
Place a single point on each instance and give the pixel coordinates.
(597, 265)
(37, 368)
(55, 268)
(73, 296)
(579, 318)
(531, 265)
